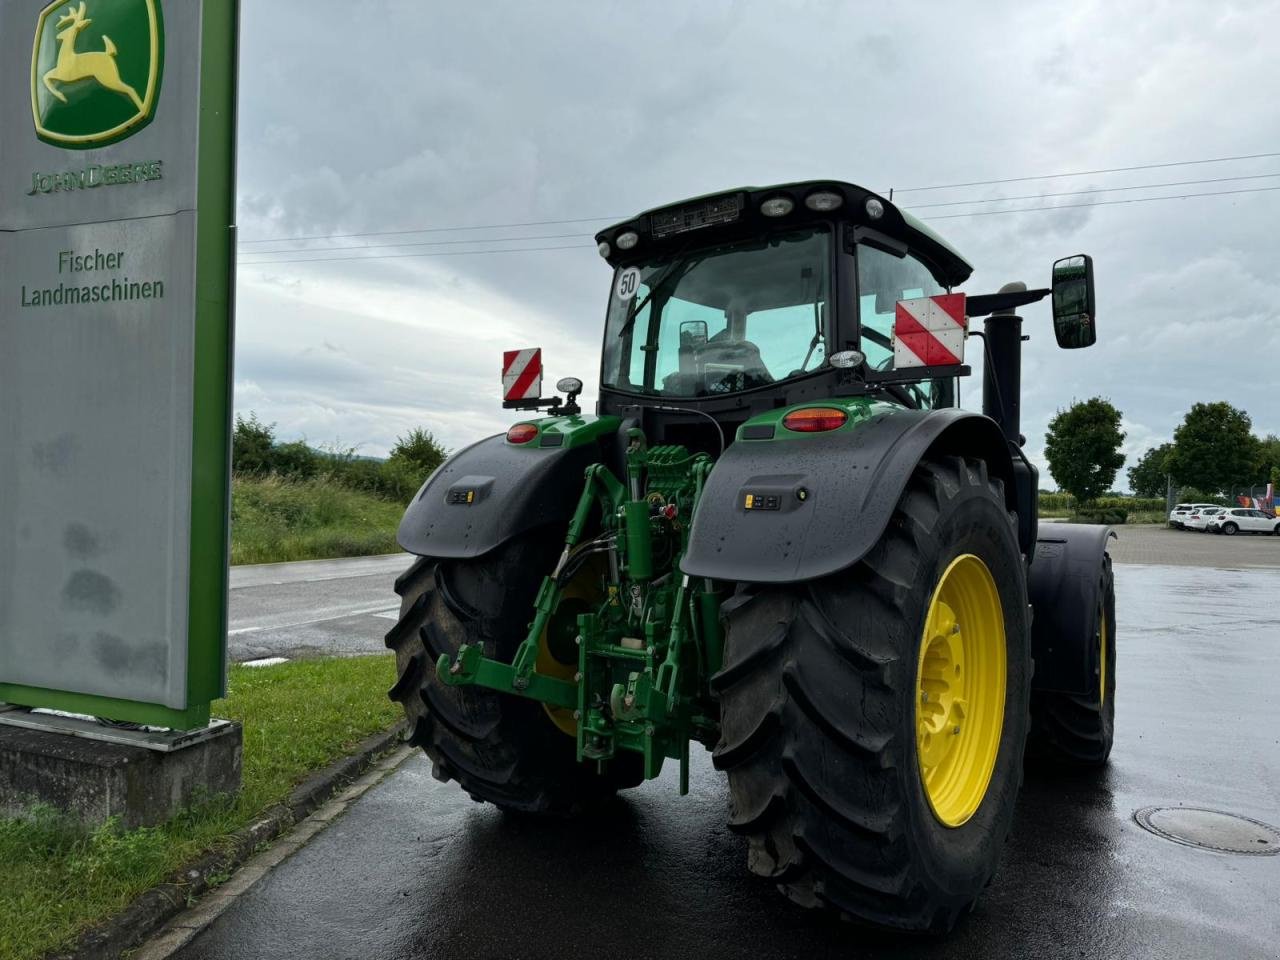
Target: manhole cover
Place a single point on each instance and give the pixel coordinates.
(1211, 830)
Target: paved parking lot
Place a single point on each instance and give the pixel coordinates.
(1149, 543)
(415, 869)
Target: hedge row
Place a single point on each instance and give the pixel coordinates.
(1064, 502)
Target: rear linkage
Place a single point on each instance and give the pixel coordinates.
(647, 650)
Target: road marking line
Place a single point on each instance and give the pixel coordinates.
(265, 662)
(361, 612)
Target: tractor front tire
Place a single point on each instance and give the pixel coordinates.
(825, 738)
(1078, 730)
(500, 747)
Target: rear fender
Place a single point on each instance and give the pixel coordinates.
(1065, 588)
(493, 491)
(835, 493)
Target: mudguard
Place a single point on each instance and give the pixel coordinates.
(492, 491)
(827, 498)
(1065, 589)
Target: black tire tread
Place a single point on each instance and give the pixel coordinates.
(800, 699)
(1069, 730)
(499, 748)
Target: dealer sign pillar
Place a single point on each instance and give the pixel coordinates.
(117, 245)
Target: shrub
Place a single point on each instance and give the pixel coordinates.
(1059, 503)
(1113, 516)
(419, 450)
(251, 445)
(295, 460)
(400, 480)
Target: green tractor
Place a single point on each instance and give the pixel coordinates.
(779, 537)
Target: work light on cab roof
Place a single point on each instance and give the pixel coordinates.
(780, 536)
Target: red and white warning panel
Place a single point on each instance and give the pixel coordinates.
(522, 374)
(929, 331)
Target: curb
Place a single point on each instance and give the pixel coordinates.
(153, 908)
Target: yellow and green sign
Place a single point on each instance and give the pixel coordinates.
(96, 68)
(116, 342)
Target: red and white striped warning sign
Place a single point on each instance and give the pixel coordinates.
(929, 331)
(522, 374)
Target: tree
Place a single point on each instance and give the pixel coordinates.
(1270, 460)
(1215, 449)
(1083, 448)
(251, 444)
(1149, 476)
(412, 459)
(419, 450)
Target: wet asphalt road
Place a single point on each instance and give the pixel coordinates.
(344, 607)
(313, 608)
(415, 869)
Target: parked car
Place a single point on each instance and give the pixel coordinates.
(1180, 512)
(1200, 519)
(1244, 520)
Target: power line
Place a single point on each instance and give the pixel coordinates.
(419, 243)
(580, 246)
(1101, 203)
(1086, 173)
(941, 186)
(401, 256)
(1079, 193)
(401, 233)
(923, 206)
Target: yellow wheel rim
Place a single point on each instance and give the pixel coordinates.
(582, 593)
(1102, 657)
(960, 689)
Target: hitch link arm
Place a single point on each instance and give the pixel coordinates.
(668, 681)
(471, 666)
(526, 657)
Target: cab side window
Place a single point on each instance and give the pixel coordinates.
(883, 279)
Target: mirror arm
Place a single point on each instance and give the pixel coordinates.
(986, 304)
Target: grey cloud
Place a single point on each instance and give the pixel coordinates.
(400, 115)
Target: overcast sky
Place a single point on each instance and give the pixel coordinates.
(399, 116)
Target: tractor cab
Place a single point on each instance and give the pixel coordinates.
(738, 303)
(726, 306)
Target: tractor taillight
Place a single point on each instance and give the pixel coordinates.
(815, 419)
(522, 433)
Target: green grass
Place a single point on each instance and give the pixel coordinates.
(298, 716)
(273, 519)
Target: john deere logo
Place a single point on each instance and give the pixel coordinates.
(95, 71)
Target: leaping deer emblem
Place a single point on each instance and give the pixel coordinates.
(73, 66)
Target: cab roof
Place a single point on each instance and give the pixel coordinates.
(728, 214)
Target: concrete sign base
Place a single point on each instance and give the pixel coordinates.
(92, 780)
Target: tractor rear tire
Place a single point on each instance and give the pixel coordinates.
(500, 747)
(819, 699)
(1078, 730)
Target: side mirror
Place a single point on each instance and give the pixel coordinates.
(693, 334)
(1074, 307)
